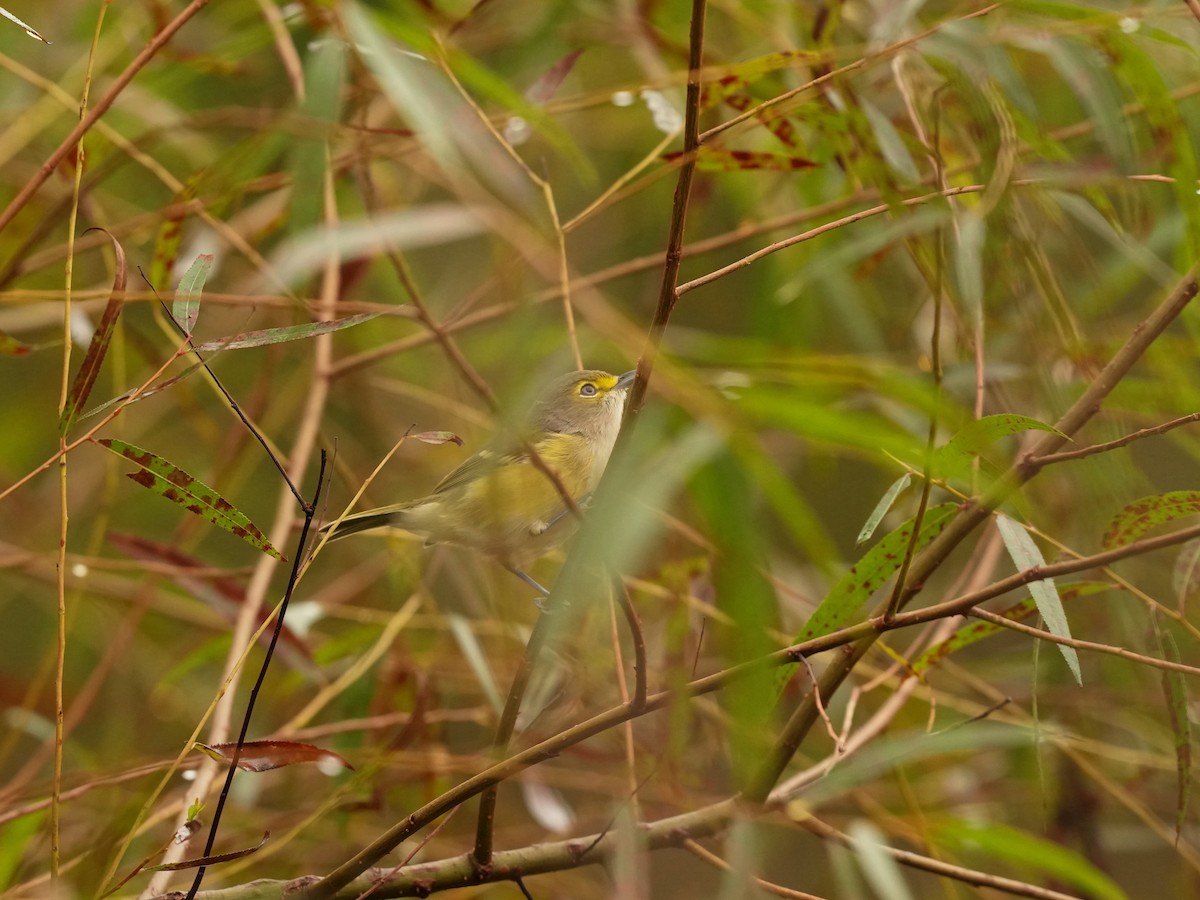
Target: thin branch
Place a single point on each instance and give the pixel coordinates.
(855, 639)
(639, 645)
(1082, 452)
(297, 562)
(122, 81)
(973, 515)
(944, 869)
(1110, 649)
(668, 292)
(701, 852)
(482, 852)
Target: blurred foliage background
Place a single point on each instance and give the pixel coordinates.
(495, 182)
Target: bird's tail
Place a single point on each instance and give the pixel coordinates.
(393, 517)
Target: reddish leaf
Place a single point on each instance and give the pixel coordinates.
(166, 251)
(208, 860)
(438, 437)
(10, 346)
(1140, 516)
(221, 592)
(545, 87)
(262, 756)
(85, 378)
(173, 483)
(718, 159)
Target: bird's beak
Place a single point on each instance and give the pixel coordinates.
(624, 380)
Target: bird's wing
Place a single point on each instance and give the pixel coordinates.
(474, 467)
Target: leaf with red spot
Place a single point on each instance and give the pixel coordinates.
(10, 346)
(263, 756)
(719, 159)
(847, 598)
(85, 378)
(976, 631)
(176, 485)
(166, 247)
(1141, 515)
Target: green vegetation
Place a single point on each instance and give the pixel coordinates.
(889, 588)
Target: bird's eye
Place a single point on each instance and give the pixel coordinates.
(587, 389)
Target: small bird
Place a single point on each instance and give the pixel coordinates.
(501, 503)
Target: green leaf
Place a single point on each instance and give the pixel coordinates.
(16, 837)
(1185, 574)
(176, 485)
(1138, 517)
(284, 333)
(10, 346)
(1176, 694)
(842, 604)
(882, 507)
(956, 455)
(977, 630)
(85, 378)
(186, 308)
(1029, 852)
(1026, 555)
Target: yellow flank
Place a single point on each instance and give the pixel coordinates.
(502, 503)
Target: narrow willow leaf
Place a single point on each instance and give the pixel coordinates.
(213, 860)
(166, 250)
(548, 83)
(847, 598)
(1141, 515)
(976, 631)
(1176, 694)
(476, 658)
(879, 867)
(85, 378)
(284, 333)
(891, 145)
(1003, 842)
(719, 159)
(186, 308)
(968, 261)
(29, 31)
(1186, 573)
(1026, 555)
(882, 507)
(176, 485)
(263, 756)
(438, 437)
(957, 454)
(10, 346)
(149, 392)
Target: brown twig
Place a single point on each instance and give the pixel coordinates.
(1082, 452)
(972, 516)
(854, 641)
(668, 292)
(122, 81)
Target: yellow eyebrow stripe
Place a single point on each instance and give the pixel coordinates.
(606, 383)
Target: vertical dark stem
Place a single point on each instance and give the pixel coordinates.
(297, 561)
(667, 294)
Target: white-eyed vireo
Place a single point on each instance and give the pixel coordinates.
(500, 502)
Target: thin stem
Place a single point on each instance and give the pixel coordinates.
(974, 515)
(668, 293)
(122, 81)
(297, 561)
